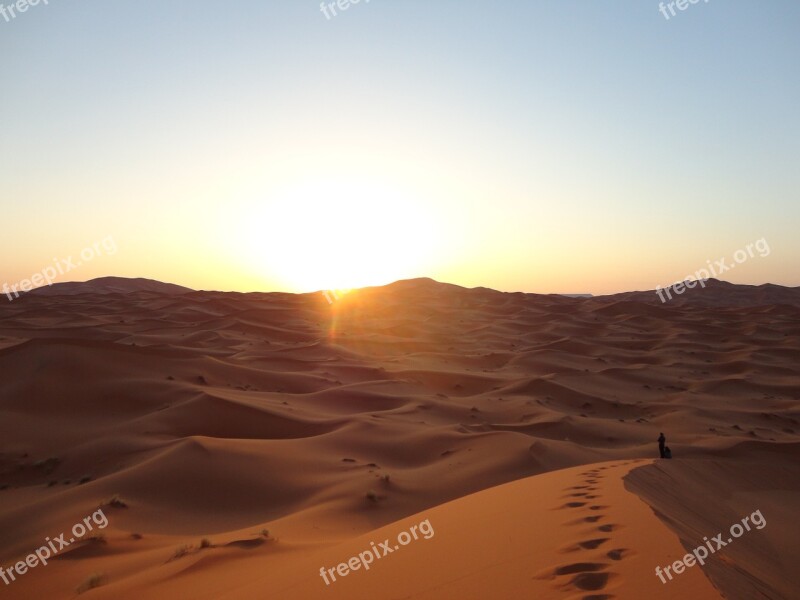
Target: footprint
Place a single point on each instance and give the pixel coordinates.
(597, 507)
(590, 581)
(618, 553)
(607, 528)
(593, 519)
(584, 520)
(592, 496)
(573, 505)
(592, 544)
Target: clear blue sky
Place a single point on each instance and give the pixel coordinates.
(538, 146)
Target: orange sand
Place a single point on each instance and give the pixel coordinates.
(503, 419)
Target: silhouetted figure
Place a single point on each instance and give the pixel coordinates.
(667, 452)
(661, 441)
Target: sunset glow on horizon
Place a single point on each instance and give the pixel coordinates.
(597, 150)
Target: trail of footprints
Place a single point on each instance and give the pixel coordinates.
(594, 552)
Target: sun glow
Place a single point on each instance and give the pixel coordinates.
(340, 234)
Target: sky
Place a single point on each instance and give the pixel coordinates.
(551, 147)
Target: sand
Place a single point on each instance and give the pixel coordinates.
(521, 426)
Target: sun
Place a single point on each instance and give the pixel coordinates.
(341, 234)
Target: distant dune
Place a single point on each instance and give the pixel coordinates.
(110, 285)
(290, 434)
(713, 292)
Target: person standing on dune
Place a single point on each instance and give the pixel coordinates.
(661, 442)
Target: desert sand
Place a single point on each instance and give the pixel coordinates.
(238, 443)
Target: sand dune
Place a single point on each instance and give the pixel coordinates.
(214, 415)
